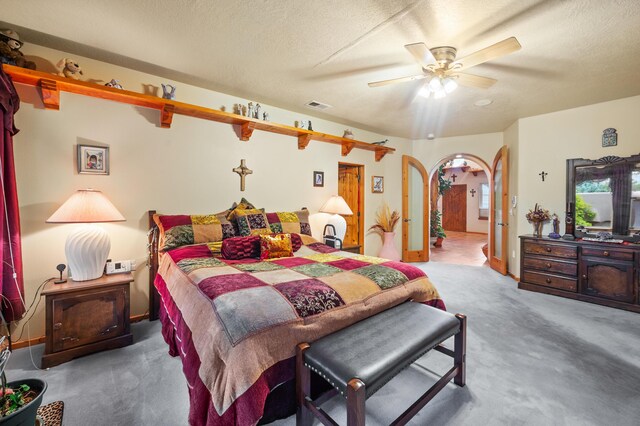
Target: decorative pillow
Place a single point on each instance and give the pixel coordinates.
(275, 246)
(251, 222)
(290, 222)
(237, 248)
(182, 230)
(243, 205)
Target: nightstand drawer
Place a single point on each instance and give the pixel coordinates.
(556, 250)
(82, 319)
(549, 280)
(606, 252)
(546, 264)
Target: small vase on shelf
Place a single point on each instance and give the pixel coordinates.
(537, 229)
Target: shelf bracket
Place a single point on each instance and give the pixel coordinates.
(303, 141)
(347, 147)
(166, 115)
(380, 153)
(50, 94)
(247, 130)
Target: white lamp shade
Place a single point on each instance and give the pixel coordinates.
(86, 206)
(336, 205)
(87, 247)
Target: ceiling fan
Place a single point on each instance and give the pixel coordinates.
(440, 65)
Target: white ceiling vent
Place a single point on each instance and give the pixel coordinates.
(317, 105)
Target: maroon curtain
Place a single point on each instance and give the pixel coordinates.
(12, 282)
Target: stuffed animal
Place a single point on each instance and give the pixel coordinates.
(10, 53)
(70, 69)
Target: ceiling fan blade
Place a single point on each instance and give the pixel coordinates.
(421, 52)
(397, 80)
(497, 50)
(471, 80)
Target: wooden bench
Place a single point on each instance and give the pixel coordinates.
(358, 360)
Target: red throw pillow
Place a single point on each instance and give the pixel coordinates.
(237, 248)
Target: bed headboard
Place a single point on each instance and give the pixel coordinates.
(154, 296)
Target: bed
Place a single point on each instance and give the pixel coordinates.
(235, 323)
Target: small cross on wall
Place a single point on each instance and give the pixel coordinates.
(243, 171)
(473, 192)
(454, 176)
(543, 174)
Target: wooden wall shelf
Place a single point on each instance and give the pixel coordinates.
(51, 85)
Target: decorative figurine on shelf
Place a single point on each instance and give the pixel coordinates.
(70, 69)
(556, 227)
(256, 113)
(265, 116)
(168, 91)
(348, 134)
(250, 110)
(380, 142)
(302, 124)
(10, 53)
(114, 83)
(310, 127)
(237, 109)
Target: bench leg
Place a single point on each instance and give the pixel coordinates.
(304, 417)
(355, 402)
(460, 351)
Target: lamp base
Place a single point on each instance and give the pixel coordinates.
(87, 249)
(340, 224)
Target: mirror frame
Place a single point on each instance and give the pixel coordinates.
(570, 219)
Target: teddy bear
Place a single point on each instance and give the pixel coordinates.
(70, 69)
(10, 53)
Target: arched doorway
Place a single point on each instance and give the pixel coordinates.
(461, 213)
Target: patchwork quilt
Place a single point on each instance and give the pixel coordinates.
(236, 323)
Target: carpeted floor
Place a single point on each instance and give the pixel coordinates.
(533, 359)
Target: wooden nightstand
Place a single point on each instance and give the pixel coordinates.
(352, 249)
(86, 316)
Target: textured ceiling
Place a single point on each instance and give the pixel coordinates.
(288, 52)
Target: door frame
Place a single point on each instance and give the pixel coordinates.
(500, 264)
(415, 255)
(360, 198)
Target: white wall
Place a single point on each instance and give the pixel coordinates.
(184, 169)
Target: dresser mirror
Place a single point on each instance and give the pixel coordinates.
(603, 198)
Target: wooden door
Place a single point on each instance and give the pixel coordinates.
(454, 209)
(351, 188)
(415, 211)
(499, 226)
(608, 278)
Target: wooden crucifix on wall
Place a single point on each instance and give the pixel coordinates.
(243, 171)
(454, 176)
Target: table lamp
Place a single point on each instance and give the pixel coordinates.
(87, 247)
(337, 206)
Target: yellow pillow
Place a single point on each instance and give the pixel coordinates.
(274, 246)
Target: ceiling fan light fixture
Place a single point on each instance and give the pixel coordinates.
(424, 91)
(439, 94)
(435, 84)
(450, 85)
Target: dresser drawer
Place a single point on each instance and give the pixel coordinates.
(608, 253)
(550, 249)
(549, 265)
(549, 280)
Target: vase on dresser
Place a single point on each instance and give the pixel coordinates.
(389, 250)
(537, 228)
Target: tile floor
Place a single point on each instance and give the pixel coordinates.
(461, 248)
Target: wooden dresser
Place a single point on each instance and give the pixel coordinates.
(85, 317)
(602, 273)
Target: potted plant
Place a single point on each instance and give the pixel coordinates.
(436, 230)
(386, 222)
(19, 400)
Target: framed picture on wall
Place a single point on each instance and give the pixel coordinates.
(93, 160)
(318, 178)
(377, 184)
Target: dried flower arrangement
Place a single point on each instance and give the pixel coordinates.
(538, 214)
(386, 220)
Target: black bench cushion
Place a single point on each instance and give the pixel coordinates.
(377, 348)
